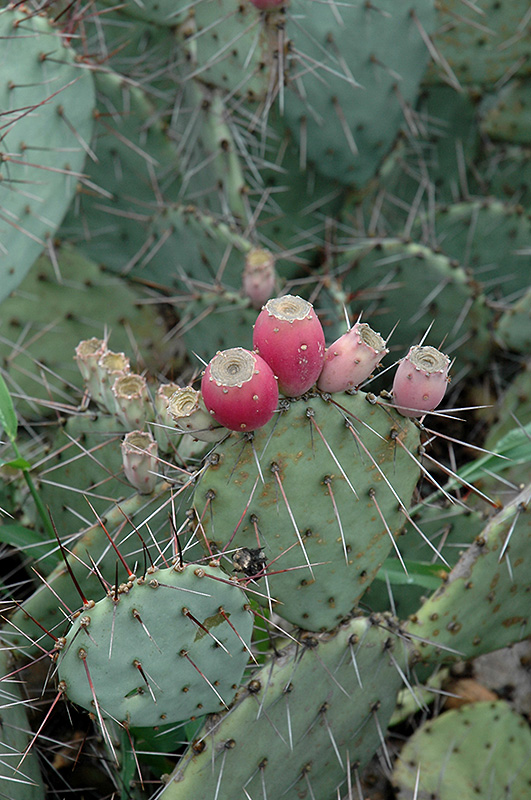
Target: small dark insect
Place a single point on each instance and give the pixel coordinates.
(250, 562)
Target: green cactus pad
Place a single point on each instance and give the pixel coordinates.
(47, 103)
(304, 720)
(352, 71)
(91, 542)
(507, 116)
(481, 43)
(489, 238)
(514, 326)
(393, 280)
(161, 12)
(149, 661)
(24, 782)
(485, 603)
(344, 537)
(217, 321)
(482, 749)
(235, 48)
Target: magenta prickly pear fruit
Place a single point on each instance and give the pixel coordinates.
(239, 389)
(289, 336)
(420, 381)
(351, 359)
(267, 5)
(258, 279)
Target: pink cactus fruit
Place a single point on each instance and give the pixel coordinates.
(268, 5)
(258, 279)
(420, 381)
(239, 389)
(351, 359)
(289, 336)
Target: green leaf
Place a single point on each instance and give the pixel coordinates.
(16, 463)
(429, 576)
(31, 542)
(8, 418)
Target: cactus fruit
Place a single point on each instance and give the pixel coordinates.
(187, 409)
(158, 649)
(139, 455)
(351, 359)
(239, 389)
(258, 279)
(420, 381)
(289, 337)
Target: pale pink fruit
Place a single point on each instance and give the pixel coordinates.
(289, 336)
(420, 381)
(239, 390)
(258, 279)
(351, 359)
(139, 456)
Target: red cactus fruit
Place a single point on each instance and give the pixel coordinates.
(288, 335)
(239, 389)
(351, 359)
(420, 381)
(267, 5)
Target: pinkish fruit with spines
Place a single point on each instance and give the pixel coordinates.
(239, 389)
(420, 381)
(289, 336)
(351, 359)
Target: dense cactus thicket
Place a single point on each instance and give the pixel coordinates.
(264, 395)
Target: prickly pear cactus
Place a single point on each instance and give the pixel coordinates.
(45, 98)
(321, 489)
(286, 733)
(484, 604)
(479, 749)
(159, 648)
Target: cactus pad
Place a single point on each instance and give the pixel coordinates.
(482, 749)
(163, 648)
(45, 98)
(305, 489)
(301, 723)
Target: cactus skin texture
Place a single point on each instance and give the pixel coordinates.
(46, 98)
(318, 502)
(484, 604)
(479, 750)
(174, 623)
(285, 730)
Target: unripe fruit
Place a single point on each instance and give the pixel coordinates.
(187, 409)
(139, 456)
(239, 389)
(258, 279)
(420, 381)
(351, 359)
(289, 336)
